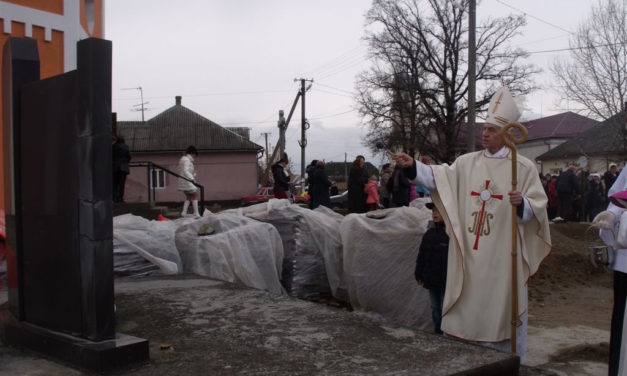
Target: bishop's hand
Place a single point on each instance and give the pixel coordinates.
(403, 160)
(515, 198)
(604, 220)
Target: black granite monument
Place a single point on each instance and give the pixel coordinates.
(58, 185)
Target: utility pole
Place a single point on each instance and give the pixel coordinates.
(282, 124)
(141, 94)
(267, 169)
(472, 67)
(303, 128)
(267, 157)
(345, 170)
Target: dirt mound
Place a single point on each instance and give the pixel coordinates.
(568, 265)
(595, 353)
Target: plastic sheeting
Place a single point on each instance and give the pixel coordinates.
(313, 253)
(312, 247)
(420, 202)
(144, 247)
(379, 262)
(241, 250)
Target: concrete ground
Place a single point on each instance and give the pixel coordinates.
(199, 326)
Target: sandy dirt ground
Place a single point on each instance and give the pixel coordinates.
(570, 305)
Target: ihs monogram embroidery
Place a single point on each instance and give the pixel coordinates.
(481, 222)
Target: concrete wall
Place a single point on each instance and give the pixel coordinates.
(225, 176)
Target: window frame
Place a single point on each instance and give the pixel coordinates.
(159, 172)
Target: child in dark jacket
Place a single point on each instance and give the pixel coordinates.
(431, 265)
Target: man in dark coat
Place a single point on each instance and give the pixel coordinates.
(310, 173)
(399, 188)
(121, 157)
(357, 179)
(281, 180)
(595, 199)
(609, 177)
(320, 184)
(568, 190)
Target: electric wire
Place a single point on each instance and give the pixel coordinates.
(534, 17)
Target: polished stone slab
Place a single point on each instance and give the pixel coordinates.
(59, 228)
(93, 355)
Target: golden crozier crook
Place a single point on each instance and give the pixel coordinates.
(511, 141)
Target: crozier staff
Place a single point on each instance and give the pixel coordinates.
(474, 199)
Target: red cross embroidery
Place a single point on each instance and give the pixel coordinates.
(485, 196)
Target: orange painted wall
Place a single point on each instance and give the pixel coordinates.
(52, 6)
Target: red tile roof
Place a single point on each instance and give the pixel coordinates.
(564, 125)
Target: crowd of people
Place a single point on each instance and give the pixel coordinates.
(393, 188)
(576, 194)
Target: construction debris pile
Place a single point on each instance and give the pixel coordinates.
(365, 259)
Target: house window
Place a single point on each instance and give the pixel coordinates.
(157, 178)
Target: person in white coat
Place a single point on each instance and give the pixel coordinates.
(609, 221)
(186, 169)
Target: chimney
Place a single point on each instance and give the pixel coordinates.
(178, 100)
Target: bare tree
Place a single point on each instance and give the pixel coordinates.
(595, 76)
(415, 95)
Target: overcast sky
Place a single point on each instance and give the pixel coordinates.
(235, 61)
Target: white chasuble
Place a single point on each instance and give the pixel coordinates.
(472, 195)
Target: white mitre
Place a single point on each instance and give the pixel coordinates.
(502, 109)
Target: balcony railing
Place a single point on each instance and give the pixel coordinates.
(150, 166)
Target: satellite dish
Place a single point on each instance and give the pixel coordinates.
(582, 161)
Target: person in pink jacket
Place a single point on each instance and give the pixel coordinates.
(372, 191)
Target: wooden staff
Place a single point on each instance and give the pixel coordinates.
(511, 141)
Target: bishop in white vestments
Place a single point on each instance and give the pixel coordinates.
(474, 196)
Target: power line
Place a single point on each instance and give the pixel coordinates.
(332, 93)
(213, 94)
(577, 48)
(335, 62)
(541, 40)
(332, 115)
(331, 87)
(534, 17)
(318, 117)
(346, 67)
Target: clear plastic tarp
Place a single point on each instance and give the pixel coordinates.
(144, 247)
(367, 259)
(239, 249)
(312, 243)
(379, 262)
